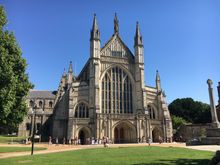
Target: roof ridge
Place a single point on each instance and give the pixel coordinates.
(115, 36)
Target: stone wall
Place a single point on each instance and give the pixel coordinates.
(42, 104)
(191, 131)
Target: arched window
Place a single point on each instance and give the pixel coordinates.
(50, 104)
(28, 126)
(31, 103)
(151, 112)
(81, 111)
(116, 92)
(40, 104)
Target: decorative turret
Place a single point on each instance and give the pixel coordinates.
(64, 73)
(62, 85)
(70, 74)
(95, 34)
(116, 27)
(139, 69)
(63, 79)
(138, 37)
(94, 69)
(70, 70)
(95, 40)
(138, 46)
(158, 85)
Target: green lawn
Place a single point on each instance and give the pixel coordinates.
(118, 156)
(18, 149)
(10, 139)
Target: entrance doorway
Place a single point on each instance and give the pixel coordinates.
(156, 134)
(124, 133)
(84, 136)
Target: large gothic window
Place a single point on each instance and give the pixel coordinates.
(116, 92)
(81, 111)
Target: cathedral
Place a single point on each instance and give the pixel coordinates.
(107, 99)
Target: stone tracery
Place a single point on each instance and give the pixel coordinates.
(116, 92)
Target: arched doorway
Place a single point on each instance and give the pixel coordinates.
(124, 133)
(83, 136)
(156, 134)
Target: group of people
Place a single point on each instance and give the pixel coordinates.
(105, 141)
(57, 141)
(76, 141)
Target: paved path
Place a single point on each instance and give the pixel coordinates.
(213, 148)
(60, 148)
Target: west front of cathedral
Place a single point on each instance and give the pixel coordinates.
(107, 99)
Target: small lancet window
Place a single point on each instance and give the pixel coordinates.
(31, 103)
(151, 112)
(40, 104)
(50, 104)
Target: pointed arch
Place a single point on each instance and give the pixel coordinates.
(40, 104)
(117, 90)
(120, 66)
(81, 110)
(157, 134)
(83, 133)
(124, 132)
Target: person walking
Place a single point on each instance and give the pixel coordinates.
(149, 141)
(57, 141)
(64, 141)
(104, 141)
(50, 140)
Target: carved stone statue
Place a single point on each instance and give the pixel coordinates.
(116, 27)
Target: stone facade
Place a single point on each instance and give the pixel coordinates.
(44, 104)
(109, 97)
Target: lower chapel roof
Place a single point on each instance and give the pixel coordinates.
(33, 94)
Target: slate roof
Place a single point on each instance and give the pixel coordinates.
(33, 94)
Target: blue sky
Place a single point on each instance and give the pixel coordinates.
(181, 39)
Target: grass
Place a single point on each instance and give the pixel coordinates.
(10, 139)
(118, 156)
(18, 149)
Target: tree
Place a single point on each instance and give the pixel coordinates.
(177, 121)
(191, 111)
(14, 83)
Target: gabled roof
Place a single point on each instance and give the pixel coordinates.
(111, 40)
(34, 94)
(106, 46)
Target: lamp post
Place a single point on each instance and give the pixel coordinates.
(146, 111)
(33, 134)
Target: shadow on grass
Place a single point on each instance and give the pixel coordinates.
(179, 162)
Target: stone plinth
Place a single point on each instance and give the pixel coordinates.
(210, 141)
(212, 137)
(213, 132)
